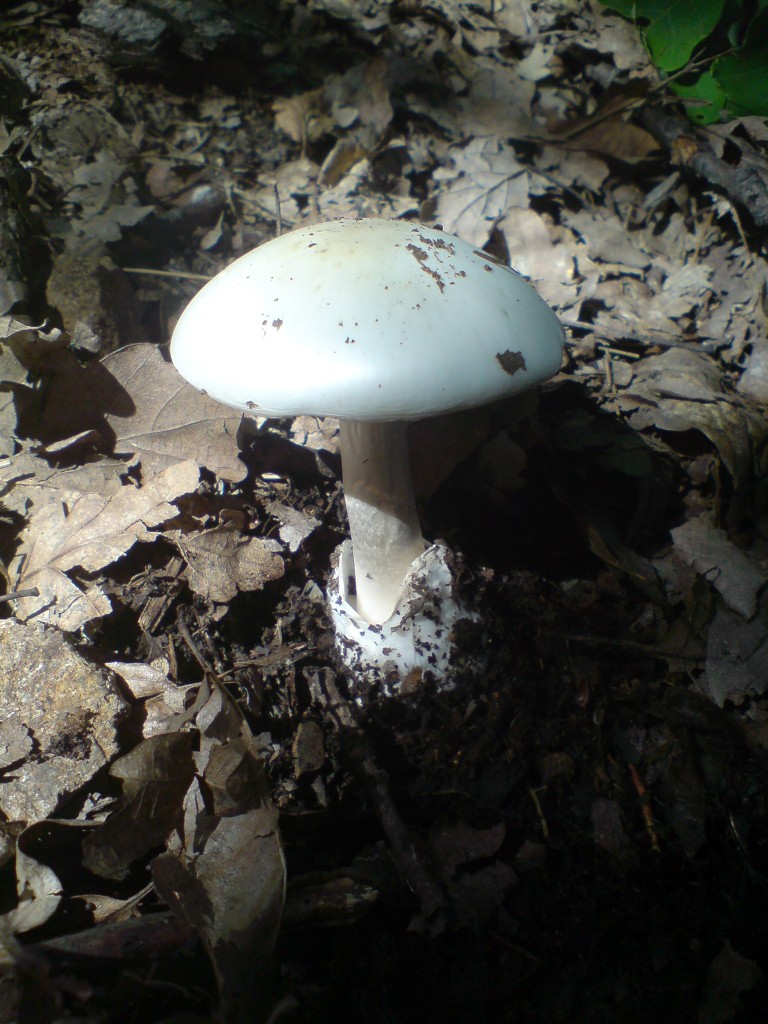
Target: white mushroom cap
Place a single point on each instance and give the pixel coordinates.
(366, 320)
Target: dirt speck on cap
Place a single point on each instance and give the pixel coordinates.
(421, 256)
(511, 362)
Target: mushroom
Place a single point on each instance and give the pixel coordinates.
(376, 322)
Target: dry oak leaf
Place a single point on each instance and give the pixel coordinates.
(172, 421)
(223, 560)
(736, 576)
(484, 182)
(93, 532)
(136, 399)
(27, 480)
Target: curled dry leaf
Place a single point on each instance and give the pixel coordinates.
(38, 888)
(161, 699)
(295, 526)
(304, 117)
(682, 390)
(93, 532)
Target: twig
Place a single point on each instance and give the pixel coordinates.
(431, 899)
(743, 182)
(534, 793)
(622, 645)
(652, 341)
(180, 274)
(16, 595)
(278, 213)
(515, 948)
(186, 636)
(645, 805)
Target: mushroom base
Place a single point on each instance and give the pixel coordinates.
(418, 637)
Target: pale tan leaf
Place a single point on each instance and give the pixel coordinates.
(96, 530)
(136, 399)
(484, 182)
(301, 117)
(171, 421)
(61, 602)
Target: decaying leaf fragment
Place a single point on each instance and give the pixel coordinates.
(155, 776)
(681, 390)
(223, 560)
(730, 570)
(202, 794)
(224, 872)
(737, 657)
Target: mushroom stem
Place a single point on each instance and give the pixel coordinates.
(383, 524)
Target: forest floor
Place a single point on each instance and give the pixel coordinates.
(197, 821)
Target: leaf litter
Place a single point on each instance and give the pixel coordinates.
(172, 724)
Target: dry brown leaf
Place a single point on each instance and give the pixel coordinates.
(730, 976)
(38, 888)
(604, 238)
(731, 571)
(620, 39)
(136, 398)
(754, 380)
(172, 421)
(317, 433)
(224, 872)
(550, 265)
(62, 602)
(93, 532)
(162, 700)
(340, 161)
(10, 325)
(223, 560)
(361, 94)
(304, 117)
(616, 138)
(27, 479)
(681, 390)
(736, 658)
(155, 776)
(484, 182)
(295, 526)
(498, 104)
(13, 377)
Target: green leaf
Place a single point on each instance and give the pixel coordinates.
(708, 99)
(675, 27)
(743, 75)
